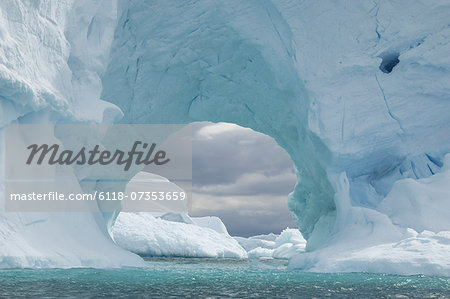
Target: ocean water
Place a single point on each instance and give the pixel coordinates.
(211, 278)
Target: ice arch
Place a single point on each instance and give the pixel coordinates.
(284, 70)
(304, 72)
(204, 66)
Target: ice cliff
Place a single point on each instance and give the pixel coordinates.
(356, 92)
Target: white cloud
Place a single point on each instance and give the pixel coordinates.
(211, 130)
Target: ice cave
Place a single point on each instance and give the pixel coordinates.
(367, 125)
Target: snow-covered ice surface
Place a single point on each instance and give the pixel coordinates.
(147, 235)
(177, 217)
(425, 253)
(410, 203)
(179, 235)
(254, 242)
(421, 204)
(283, 246)
(51, 54)
(357, 93)
(212, 222)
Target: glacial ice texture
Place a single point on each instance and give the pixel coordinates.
(360, 89)
(147, 235)
(283, 246)
(356, 93)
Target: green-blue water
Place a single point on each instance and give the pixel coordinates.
(194, 278)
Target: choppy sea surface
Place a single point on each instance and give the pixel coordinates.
(212, 278)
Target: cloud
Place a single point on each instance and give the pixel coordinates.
(241, 176)
(252, 184)
(210, 130)
(223, 156)
(246, 216)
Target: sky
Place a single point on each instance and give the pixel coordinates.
(241, 176)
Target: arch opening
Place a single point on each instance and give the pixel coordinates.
(241, 176)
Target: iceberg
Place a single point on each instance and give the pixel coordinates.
(287, 244)
(147, 235)
(261, 253)
(255, 242)
(356, 93)
(420, 253)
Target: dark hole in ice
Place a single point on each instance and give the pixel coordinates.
(390, 60)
